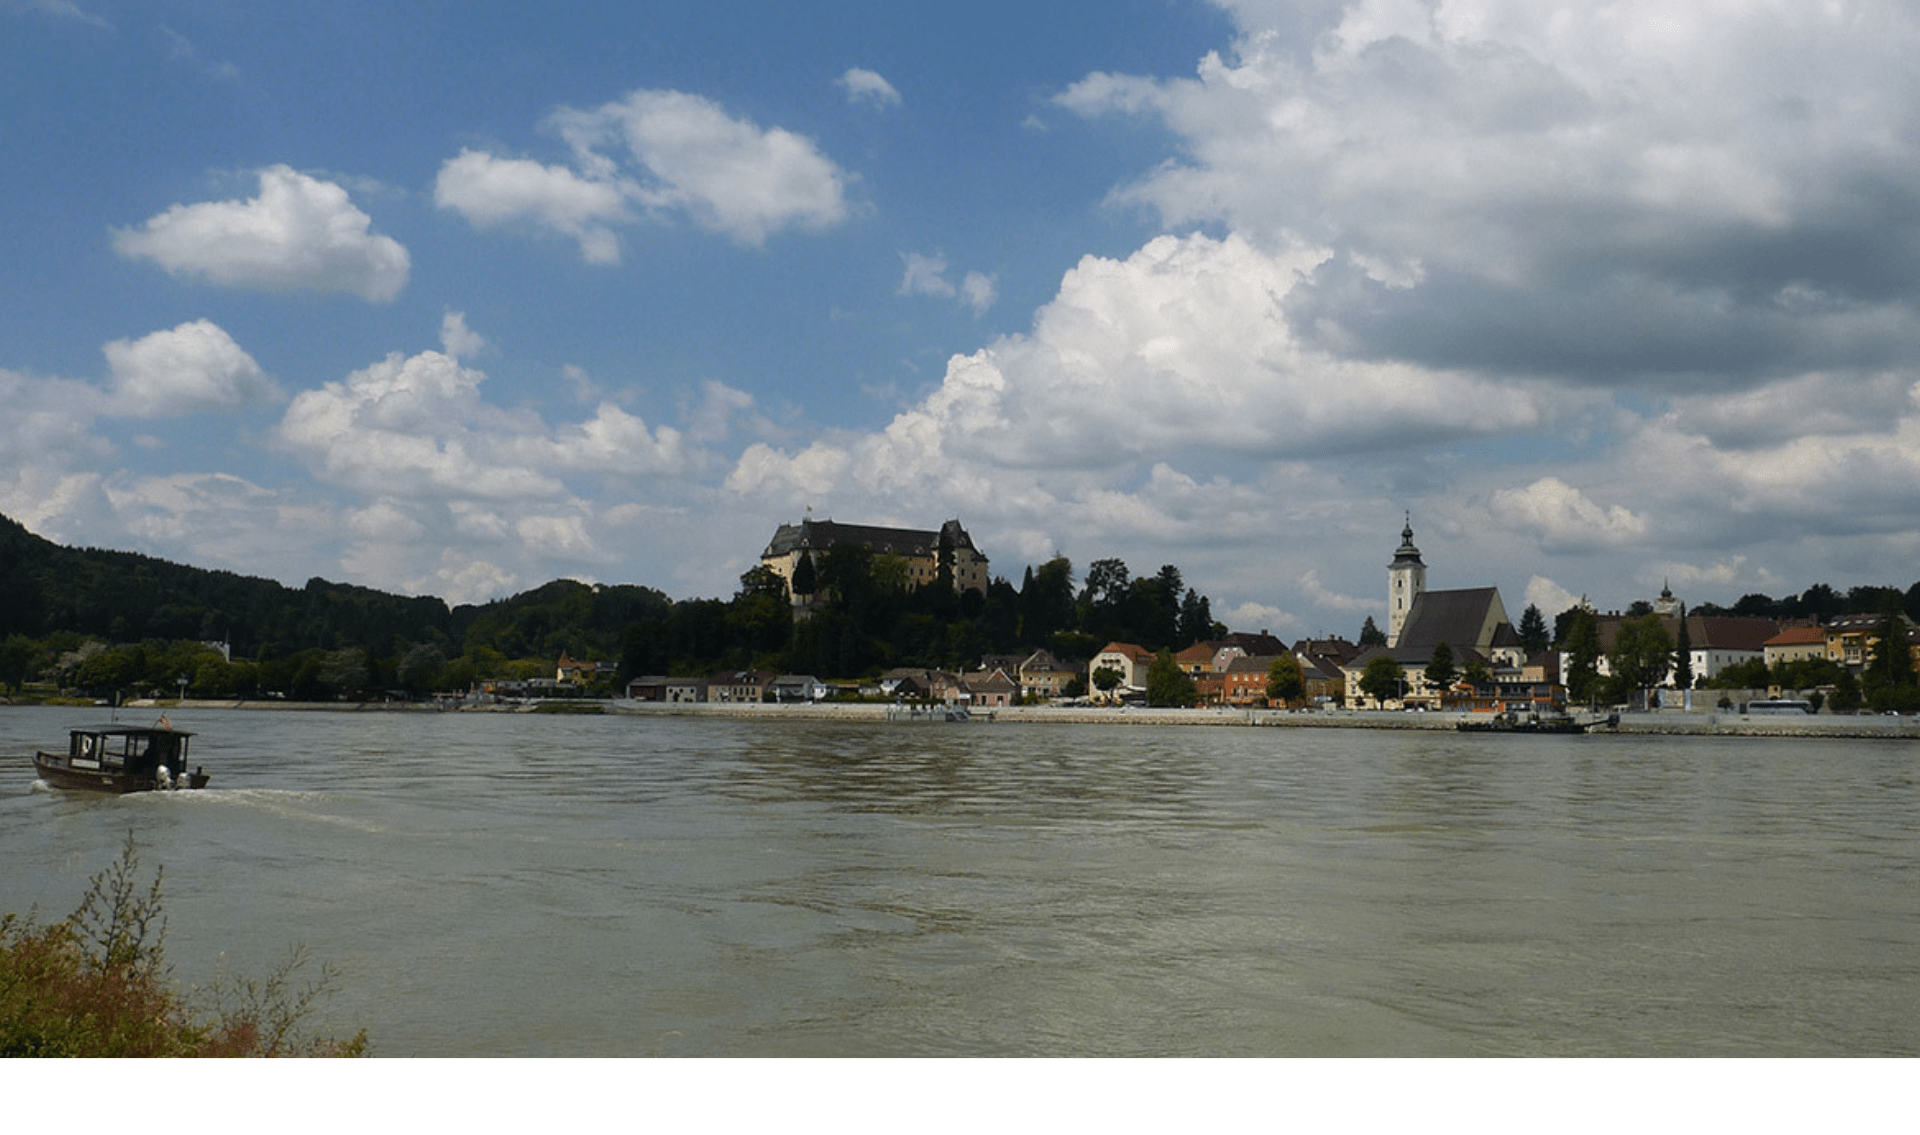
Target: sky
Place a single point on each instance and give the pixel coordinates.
(460, 298)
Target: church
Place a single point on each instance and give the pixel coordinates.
(1472, 622)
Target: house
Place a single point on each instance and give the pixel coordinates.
(796, 688)
(1852, 639)
(1040, 674)
(1795, 644)
(1244, 682)
(737, 686)
(1131, 662)
(993, 690)
(580, 673)
(923, 551)
(660, 688)
(1197, 659)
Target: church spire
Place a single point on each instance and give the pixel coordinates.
(1406, 580)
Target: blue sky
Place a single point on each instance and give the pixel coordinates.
(458, 298)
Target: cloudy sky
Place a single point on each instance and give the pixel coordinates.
(456, 299)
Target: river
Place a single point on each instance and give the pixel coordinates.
(491, 884)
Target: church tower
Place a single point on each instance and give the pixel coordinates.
(1406, 580)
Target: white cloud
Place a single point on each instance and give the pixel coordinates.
(1549, 596)
(925, 276)
(977, 291)
(490, 192)
(1600, 192)
(457, 339)
(1561, 517)
(726, 173)
(298, 234)
(664, 153)
(195, 366)
(864, 86)
(62, 10)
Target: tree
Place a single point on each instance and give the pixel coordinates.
(806, 580)
(1477, 673)
(1581, 641)
(1371, 635)
(1381, 679)
(1441, 671)
(1889, 680)
(1683, 654)
(1106, 678)
(1168, 685)
(1285, 680)
(1642, 653)
(1534, 636)
(1046, 601)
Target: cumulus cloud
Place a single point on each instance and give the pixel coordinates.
(664, 154)
(195, 366)
(490, 192)
(1600, 192)
(1564, 518)
(864, 86)
(927, 276)
(300, 233)
(457, 339)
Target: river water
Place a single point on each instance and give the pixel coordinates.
(626, 886)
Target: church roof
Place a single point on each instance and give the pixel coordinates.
(1456, 618)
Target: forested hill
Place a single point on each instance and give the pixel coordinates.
(127, 597)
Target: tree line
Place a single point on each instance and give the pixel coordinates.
(104, 622)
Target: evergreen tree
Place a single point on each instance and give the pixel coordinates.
(806, 580)
(1683, 654)
(1534, 637)
(1440, 671)
(1371, 635)
(1582, 645)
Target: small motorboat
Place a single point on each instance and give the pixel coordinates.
(121, 759)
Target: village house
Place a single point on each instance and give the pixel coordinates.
(660, 688)
(1042, 675)
(738, 686)
(1130, 661)
(1795, 644)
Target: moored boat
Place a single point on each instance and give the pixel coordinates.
(121, 759)
(1534, 723)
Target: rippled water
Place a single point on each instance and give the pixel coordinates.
(493, 885)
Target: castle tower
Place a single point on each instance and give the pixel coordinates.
(1406, 580)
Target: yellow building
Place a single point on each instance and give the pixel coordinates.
(921, 549)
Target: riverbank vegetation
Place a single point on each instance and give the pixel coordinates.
(103, 624)
(96, 984)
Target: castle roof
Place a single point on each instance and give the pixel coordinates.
(819, 535)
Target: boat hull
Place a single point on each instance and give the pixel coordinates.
(58, 773)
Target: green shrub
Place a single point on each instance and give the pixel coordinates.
(95, 984)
